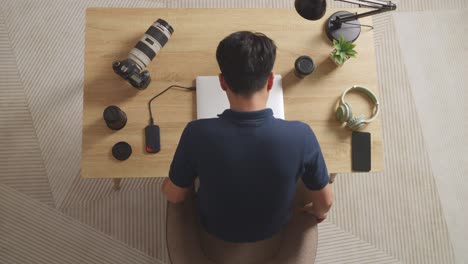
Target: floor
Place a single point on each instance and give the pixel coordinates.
(413, 212)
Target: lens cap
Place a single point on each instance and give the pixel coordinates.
(121, 151)
(304, 65)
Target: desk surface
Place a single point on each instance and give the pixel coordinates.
(111, 33)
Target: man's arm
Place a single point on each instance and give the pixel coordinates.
(182, 173)
(319, 202)
(174, 193)
(318, 196)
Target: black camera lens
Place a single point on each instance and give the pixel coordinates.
(115, 118)
(304, 66)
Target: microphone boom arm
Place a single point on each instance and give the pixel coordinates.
(380, 6)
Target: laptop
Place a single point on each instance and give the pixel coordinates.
(212, 100)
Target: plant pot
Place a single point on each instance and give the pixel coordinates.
(337, 63)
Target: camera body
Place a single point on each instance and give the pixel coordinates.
(133, 68)
(128, 70)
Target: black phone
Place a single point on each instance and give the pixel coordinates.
(361, 151)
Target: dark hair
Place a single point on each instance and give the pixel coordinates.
(246, 60)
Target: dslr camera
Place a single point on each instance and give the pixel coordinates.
(133, 68)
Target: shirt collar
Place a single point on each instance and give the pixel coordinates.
(247, 115)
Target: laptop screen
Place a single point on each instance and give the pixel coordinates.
(212, 100)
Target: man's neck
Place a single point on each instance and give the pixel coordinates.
(253, 103)
(247, 106)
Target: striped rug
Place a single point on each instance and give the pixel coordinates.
(48, 214)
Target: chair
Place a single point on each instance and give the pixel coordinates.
(188, 243)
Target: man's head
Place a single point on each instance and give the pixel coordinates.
(246, 60)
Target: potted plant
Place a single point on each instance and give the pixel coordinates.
(342, 51)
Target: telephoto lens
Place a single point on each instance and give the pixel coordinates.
(115, 118)
(133, 69)
(154, 39)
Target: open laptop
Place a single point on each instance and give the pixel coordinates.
(212, 100)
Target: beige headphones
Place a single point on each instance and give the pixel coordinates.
(345, 114)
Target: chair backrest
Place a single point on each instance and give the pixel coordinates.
(187, 242)
(223, 252)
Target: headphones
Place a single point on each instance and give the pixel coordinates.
(345, 114)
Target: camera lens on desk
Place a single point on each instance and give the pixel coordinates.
(115, 118)
(133, 68)
(304, 66)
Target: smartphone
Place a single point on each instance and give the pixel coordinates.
(361, 151)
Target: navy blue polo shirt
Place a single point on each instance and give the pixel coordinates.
(248, 164)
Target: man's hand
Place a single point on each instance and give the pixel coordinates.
(174, 193)
(317, 202)
(332, 177)
(308, 208)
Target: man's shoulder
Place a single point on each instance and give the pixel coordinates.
(212, 125)
(291, 124)
(296, 126)
(200, 123)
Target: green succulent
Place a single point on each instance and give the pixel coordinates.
(342, 50)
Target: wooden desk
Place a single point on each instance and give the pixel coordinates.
(111, 33)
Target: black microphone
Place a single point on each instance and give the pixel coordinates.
(311, 9)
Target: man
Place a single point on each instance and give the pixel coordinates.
(247, 161)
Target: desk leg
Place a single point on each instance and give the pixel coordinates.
(117, 183)
(332, 177)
